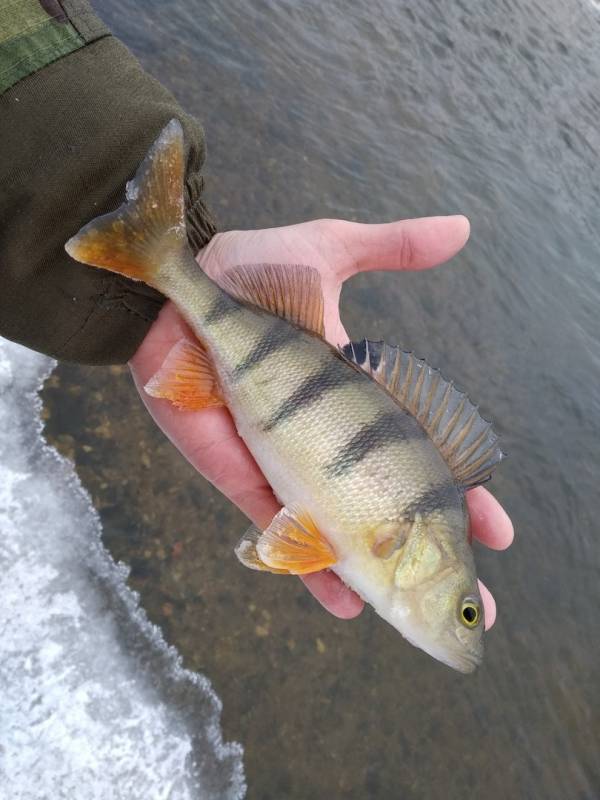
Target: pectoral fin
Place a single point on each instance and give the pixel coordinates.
(291, 544)
(186, 378)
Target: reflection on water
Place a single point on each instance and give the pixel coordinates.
(375, 113)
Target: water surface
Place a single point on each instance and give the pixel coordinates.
(376, 111)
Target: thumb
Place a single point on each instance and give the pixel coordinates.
(407, 244)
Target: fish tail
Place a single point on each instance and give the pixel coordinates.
(146, 236)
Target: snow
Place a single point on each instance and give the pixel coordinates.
(132, 190)
(94, 704)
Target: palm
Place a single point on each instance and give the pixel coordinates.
(338, 250)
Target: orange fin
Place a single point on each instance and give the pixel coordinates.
(247, 554)
(141, 238)
(186, 378)
(290, 291)
(292, 543)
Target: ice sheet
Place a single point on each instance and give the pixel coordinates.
(93, 704)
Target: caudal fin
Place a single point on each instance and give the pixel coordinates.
(141, 237)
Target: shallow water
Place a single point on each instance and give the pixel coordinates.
(373, 112)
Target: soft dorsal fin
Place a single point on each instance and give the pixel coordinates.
(291, 291)
(466, 441)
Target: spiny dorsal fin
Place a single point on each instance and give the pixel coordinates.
(292, 543)
(466, 441)
(290, 291)
(186, 378)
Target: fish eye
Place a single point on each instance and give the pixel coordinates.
(470, 613)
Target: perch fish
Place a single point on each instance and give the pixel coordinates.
(369, 450)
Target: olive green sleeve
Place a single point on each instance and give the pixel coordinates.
(74, 130)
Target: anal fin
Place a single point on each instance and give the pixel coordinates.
(186, 378)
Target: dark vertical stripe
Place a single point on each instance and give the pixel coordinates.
(277, 336)
(388, 427)
(332, 374)
(436, 498)
(221, 308)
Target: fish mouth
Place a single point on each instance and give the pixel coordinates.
(465, 661)
(465, 664)
(463, 656)
(461, 659)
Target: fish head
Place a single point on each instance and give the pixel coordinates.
(435, 601)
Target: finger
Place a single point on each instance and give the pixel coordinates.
(407, 244)
(333, 594)
(490, 523)
(489, 605)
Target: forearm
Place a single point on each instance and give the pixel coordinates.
(73, 132)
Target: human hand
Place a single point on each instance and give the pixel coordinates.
(338, 250)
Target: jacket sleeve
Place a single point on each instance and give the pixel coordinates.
(77, 115)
